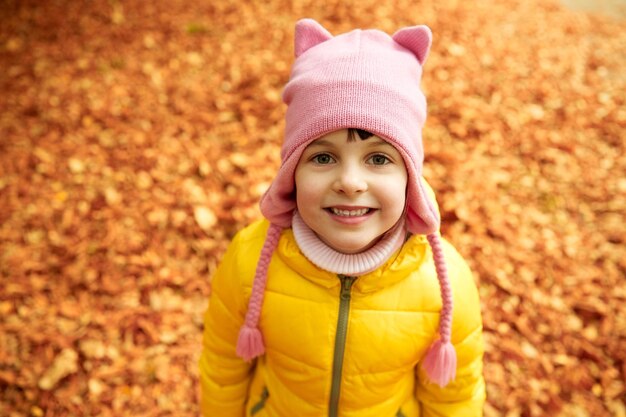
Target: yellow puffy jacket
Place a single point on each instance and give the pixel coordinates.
(338, 346)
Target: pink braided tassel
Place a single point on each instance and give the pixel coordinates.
(250, 341)
(440, 361)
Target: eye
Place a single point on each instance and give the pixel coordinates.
(322, 159)
(379, 159)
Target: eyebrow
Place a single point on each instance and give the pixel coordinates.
(371, 142)
(321, 142)
(377, 141)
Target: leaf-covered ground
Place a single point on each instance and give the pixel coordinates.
(136, 138)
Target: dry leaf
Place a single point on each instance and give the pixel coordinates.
(205, 217)
(65, 363)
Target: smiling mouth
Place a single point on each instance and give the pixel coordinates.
(349, 213)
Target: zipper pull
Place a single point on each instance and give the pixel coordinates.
(346, 286)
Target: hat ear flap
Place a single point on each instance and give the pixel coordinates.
(308, 34)
(422, 212)
(416, 39)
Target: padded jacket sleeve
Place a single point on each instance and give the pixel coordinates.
(465, 395)
(224, 377)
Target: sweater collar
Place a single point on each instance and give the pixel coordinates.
(355, 264)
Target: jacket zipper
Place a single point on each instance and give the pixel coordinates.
(261, 403)
(340, 343)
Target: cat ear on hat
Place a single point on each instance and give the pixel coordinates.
(416, 39)
(308, 34)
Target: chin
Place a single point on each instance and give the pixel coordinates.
(349, 247)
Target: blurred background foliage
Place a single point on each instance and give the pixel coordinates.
(136, 138)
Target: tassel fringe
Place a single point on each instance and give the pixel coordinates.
(250, 343)
(440, 363)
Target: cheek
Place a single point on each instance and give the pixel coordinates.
(395, 196)
(305, 189)
(307, 197)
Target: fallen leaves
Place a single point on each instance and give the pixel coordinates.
(205, 217)
(136, 139)
(65, 363)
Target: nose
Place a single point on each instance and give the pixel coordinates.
(350, 180)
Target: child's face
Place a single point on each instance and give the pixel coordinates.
(350, 192)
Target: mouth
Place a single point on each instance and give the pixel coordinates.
(349, 212)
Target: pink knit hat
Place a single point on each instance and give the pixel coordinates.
(367, 80)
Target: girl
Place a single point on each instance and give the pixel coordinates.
(340, 302)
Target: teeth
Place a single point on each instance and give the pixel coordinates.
(349, 213)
